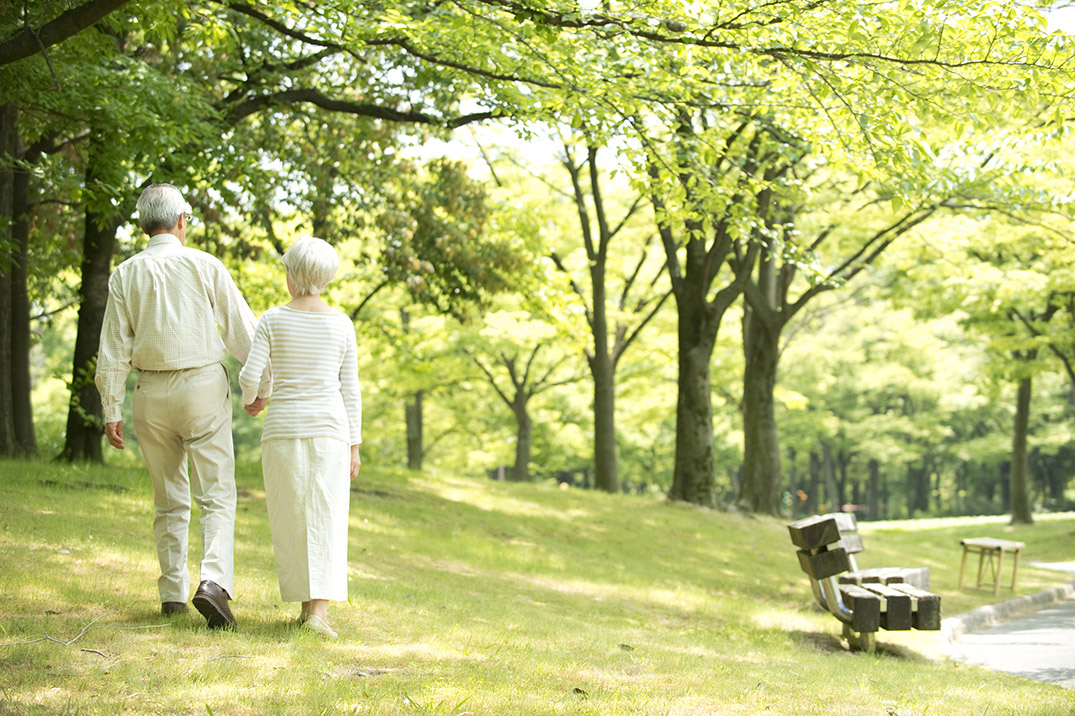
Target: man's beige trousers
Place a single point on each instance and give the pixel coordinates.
(182, 416)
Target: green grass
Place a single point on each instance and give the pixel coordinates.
(476, 597)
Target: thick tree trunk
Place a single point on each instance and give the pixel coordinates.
(693, 478)
(814, 506)
(413, 414)
(761, 483)
(832, 499)
(1020, 497)
(841, 482)
(8, 149)
(85, 416)
(606, 459)
(885, 496)
(873, 496)
(917, 490)
(25, 438)
(520, 471)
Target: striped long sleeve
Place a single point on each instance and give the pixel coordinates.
(316, 390)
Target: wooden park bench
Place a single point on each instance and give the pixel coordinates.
(863, 608)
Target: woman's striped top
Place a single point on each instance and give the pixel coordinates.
(315, 389)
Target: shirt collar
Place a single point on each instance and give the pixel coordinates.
(163, 240)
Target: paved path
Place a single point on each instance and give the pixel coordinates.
(1039, 645)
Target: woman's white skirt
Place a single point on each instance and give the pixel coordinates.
(307, 489)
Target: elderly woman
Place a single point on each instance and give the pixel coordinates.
(312, 432)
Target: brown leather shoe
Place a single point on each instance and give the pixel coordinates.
(212, 601)
(171, 609)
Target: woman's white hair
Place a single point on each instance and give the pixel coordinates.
(160, 207)
(311, 263)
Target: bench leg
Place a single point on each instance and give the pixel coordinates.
(981, 565)
(996, 577)
(864, 641)
(963, 567)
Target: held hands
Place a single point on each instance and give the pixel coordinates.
(252, 409)
(356, 461)
(114, 433)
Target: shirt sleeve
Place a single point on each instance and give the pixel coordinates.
(349, 385)
(237, 323)
(256, 367)
(114, 354)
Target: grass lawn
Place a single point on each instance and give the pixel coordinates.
(476, 597)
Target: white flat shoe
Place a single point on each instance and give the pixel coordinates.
(319, 626)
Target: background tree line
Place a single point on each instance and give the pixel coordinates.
(548, 212)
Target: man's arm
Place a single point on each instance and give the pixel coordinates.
(114, 433)
(237, 322)
(114, 363)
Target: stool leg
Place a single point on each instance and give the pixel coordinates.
(996, 577)
(962, 567)
(981, 564)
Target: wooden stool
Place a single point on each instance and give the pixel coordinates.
(989, 547)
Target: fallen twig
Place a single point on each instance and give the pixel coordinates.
(230, 656)
(88, 627)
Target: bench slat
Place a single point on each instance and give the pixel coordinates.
(865, 607)
(927, 616)
(852, 542)
(822, 565)
(814, 533)
(896, 613)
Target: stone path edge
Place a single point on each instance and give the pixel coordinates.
(992, 614)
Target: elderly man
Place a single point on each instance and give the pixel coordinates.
(172, 314)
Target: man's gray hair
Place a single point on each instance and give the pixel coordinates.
(160, 207)
(311, 263)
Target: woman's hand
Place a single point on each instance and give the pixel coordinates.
(356, 461)
(256, 407)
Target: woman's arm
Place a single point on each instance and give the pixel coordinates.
(350, 388)
(257, 362)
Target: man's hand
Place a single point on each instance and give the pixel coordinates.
(256, 407)
(114, 433)
(356, 461)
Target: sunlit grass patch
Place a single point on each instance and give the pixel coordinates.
(468, 596)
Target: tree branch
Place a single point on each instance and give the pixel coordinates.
(29, 40)
(317, 98)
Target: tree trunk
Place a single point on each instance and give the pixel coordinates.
(884, 497)
(520, 471)
(1020, 498)
(8, 149)
(832, 500)
(917, 490)
(760, 487)
(413, 413)
(25, 438)
(874, 491)
(85, 416)
(841, 482)
(606, 459)
(693, 478)
(814, 506)
(793, 485)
